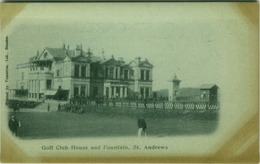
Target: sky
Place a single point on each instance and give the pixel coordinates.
(191, 41)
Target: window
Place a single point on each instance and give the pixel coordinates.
(107, 71)
(116, 73)
(76, 71)
(142, 92)
(147, 75)
(82, 91)
(42, 68)
(142, 74)
(48, 84)
(111, 72)
(117, 91)
(112, 91)
(95, 91)
(57, 73)
(107, 92)
(146, 92)
(76, 91)
(126, 75)
(96, 72)
(83, 71)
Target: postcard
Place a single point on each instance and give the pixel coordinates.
(129, 82)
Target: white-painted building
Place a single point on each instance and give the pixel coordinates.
(63, 73)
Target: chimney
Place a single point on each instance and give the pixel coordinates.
(103, 54)
(120, 59)
(80, 46)
(89, 53)
(77, 51)
(138, 59)
(77, 47)
(63, 46)
(68, 47)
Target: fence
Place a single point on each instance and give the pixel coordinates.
(196, 105)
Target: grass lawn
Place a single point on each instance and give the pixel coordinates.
(36, 125)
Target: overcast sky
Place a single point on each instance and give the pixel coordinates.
(197, 43)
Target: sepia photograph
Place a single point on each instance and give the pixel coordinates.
(130, 82)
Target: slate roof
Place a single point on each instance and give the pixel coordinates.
(32, 58)
(189, 92)
(61, 54)
(145, 61)
(140, 63)
(207, 86)
(116, 61)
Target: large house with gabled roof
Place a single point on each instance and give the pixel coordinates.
(64, 73)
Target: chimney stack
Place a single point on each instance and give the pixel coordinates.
(77, 47)
(138, 59)
(103, 54)
(80, 46)
(120, 59)
(89, 53)
(78, 51)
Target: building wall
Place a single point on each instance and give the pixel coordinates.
(22, 73)
(62, 75)
(96, 88)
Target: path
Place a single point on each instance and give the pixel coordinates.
(44, 106)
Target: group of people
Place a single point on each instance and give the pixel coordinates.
(16, 108)
(73, 109)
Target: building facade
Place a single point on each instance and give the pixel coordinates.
(65, 73)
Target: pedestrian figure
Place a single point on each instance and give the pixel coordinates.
(145, 101)
(16, 107)
(13, 125)
(48, 109)
(59, 107)
(142, 127)
(81, 110)
(114, 101)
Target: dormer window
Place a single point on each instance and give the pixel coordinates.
(45, 55)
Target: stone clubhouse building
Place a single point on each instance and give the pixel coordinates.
(63, 73)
